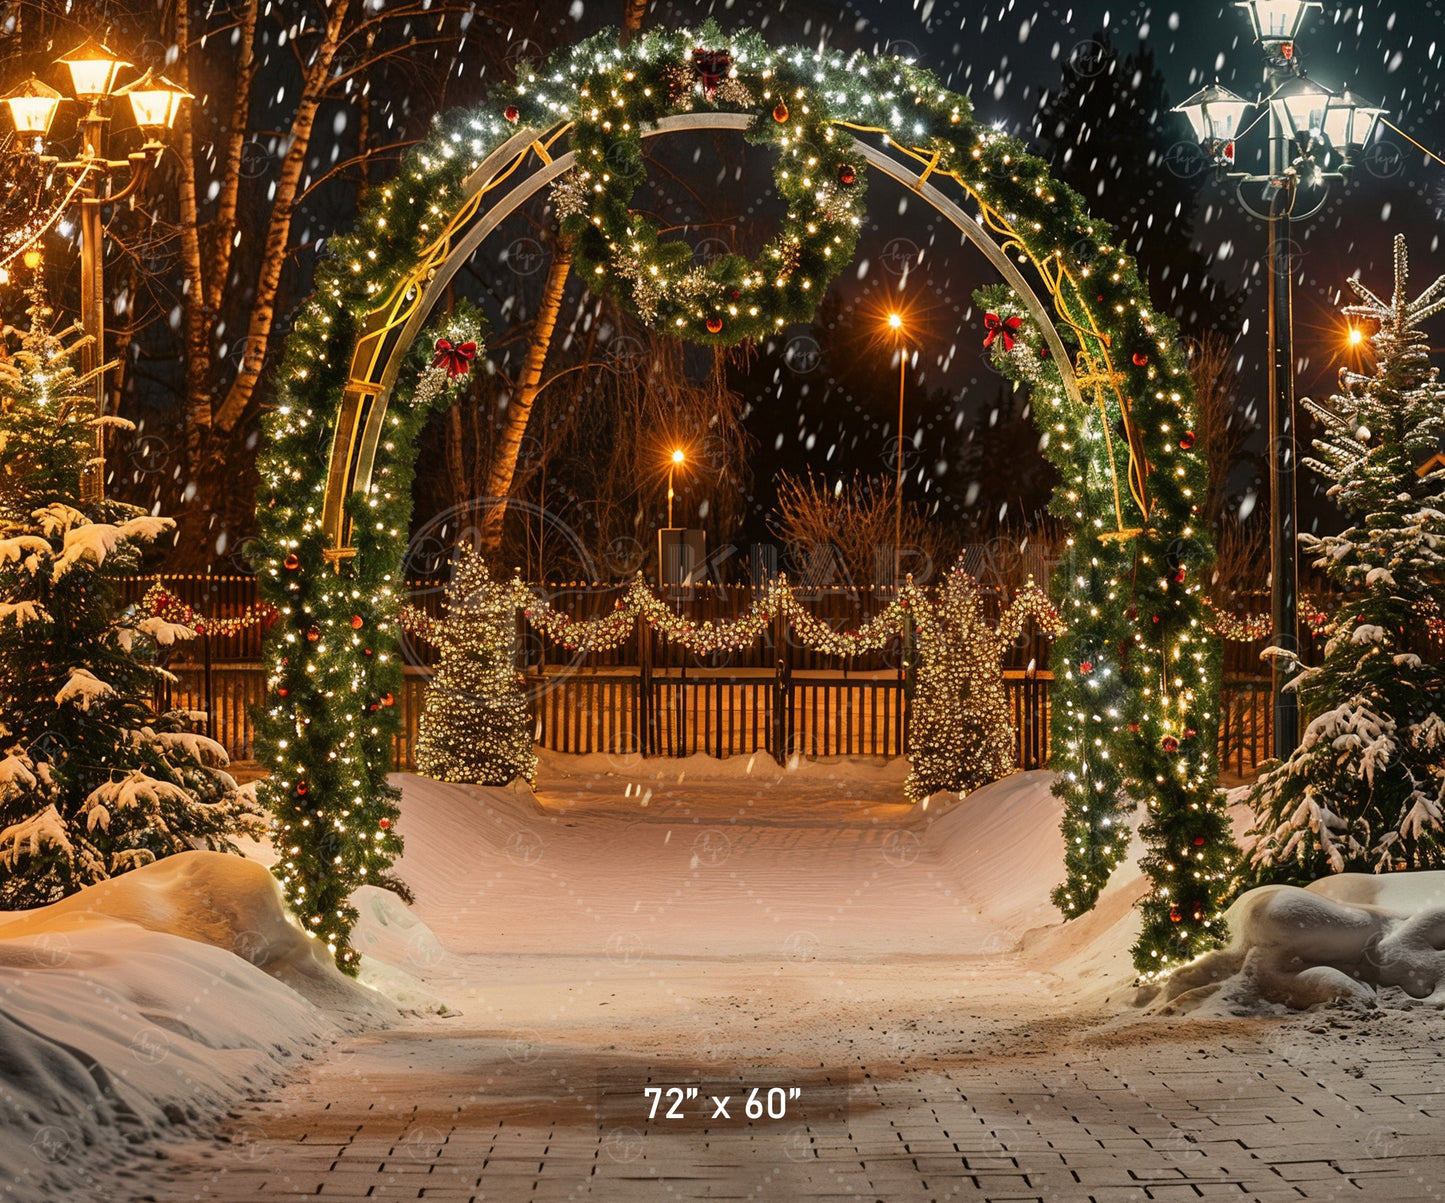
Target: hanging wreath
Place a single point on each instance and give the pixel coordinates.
(623, 253)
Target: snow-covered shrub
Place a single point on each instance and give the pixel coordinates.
(92, 782)
(1365, 790)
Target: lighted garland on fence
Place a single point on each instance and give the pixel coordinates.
(162, 603)
(1145, 712)
(612, 630)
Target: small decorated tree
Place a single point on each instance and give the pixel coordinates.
(959, 735)
(91, 781)
(1365, 790)
(474, 726)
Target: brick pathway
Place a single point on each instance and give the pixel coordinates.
(1307, 1108)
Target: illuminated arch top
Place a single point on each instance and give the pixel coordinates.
(1136, 678)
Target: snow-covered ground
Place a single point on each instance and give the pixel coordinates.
(149, 1004)
(693, 910)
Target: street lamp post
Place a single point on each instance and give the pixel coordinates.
(895, 323)
(1305, 120)
(155, 102)
(675, 462)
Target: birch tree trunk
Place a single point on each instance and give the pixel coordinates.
(524, 396)
(530, 383)
(198, 329)
(223, 243)
(233, 409)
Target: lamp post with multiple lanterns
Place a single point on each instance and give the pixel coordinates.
(1313, 135)
(155, 103)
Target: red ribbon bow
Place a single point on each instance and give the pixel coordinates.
(995, 325)
(455, 358)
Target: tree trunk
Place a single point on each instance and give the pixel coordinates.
(198, 328)
(224, 226)
(519, 409)
(632, 15)
(274, 253)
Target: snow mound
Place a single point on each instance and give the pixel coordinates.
(1341, 939)
(149, 1002)
(397, 950)
(217, 899)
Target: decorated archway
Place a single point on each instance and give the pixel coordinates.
(1135, 704)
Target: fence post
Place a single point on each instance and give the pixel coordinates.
(782, 687)
(644, 685)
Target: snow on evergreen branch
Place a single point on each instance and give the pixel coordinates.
(84, 689)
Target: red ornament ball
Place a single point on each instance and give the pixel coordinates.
(292, 562)
(511, 113)
(313, 634)
(366, 651)
(387, 699)
(1140, 359)
(384, 824)
(847, 175)
(714, 324)
(283, 692)
(1199, 841)
(1179, 575)
(1186, 440)
(1175, 915)
(1169, 744)
(1086, 667)
(357, 622)
(301, 788)
(780, 112)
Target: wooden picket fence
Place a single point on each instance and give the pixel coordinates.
(650, 698)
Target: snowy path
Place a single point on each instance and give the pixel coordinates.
(822, 933)
(1272, 1112)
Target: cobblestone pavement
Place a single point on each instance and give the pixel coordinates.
(1311, 1108)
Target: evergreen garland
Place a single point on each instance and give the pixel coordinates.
(333, 657)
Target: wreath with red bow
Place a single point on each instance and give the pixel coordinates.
(455, 357)
(1006, 328)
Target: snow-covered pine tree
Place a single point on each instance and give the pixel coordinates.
(91, 781)
(1365, 790)
(474, 726)
(959, 735)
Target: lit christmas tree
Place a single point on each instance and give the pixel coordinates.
(474, 727)
(959, 736)
(91, 781)
(1365, 790)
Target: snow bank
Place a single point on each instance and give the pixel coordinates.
(152, 1001)
(1340, 939)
